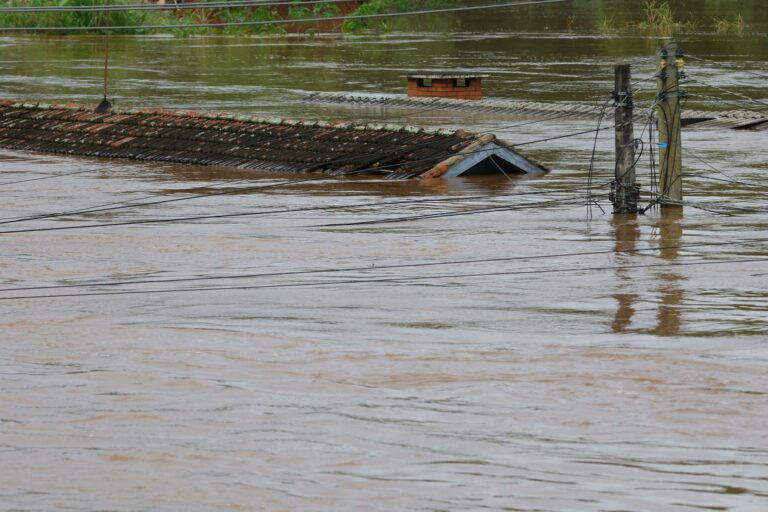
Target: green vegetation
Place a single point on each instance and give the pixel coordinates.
(385, 7)
(658, 18)
(170, 18)
(652, 17)
(724, 25)
(242, 16)
(73, 19)
(323, 10)
(607, 25)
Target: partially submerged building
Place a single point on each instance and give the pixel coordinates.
(270, 144)
(457, 86)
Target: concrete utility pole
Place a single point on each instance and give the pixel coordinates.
(625, 191)
(671, 66)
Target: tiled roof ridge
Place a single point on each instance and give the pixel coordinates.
(243, 118)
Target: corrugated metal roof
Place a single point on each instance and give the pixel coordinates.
(737, 119)
(228, 139)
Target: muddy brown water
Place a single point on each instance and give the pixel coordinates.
(581, 382)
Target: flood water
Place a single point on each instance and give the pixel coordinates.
(514, 358)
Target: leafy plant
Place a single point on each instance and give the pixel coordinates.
(384, 7)
(75, 19)
(606, 25)
(258, 14)
(320, 10)
(660, 19)
(724, 25)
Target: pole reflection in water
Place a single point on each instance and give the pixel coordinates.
(670, 233)
(626, 233)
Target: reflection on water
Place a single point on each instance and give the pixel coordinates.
(670, 232)
(626, 234)
(669, 235)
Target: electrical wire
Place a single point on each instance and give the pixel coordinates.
(93, 209)
(705, 98)
(490, 209)
(539, 257)
(710, 61)
(574, 134)
(589, 198)
(391, 280)
(53, 176)
(662, 195)
(734, 93)
(247, 189)
(171, 220)
(728, 179)
(337, 161)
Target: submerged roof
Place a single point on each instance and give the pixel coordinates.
(244, 141)
(734, 119)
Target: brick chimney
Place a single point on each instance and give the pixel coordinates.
(446, 85)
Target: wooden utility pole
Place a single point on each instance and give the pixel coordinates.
(671, 66)
(625, 191)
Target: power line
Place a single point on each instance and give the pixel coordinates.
(575, 134)
(336, 161)
(176, 199)
(491, 209)
(261, 187)
(388, 280)
(381, 267)
(663, 194)
(96, 208)
(734, 93)
(53, 176)
(592, 158)
(243, 214)
(284, 21)
(4, 183)
(720, 101)
(710, 61)
(728, 179)
(106, 208)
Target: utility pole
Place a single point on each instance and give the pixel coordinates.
(625, 191)
(671, 66)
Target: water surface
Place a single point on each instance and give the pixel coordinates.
(573, 377)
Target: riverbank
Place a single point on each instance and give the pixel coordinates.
(638, 17)
(180, 20)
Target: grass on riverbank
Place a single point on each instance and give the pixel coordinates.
(726, 26)
(657, 18)
(660, 19)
